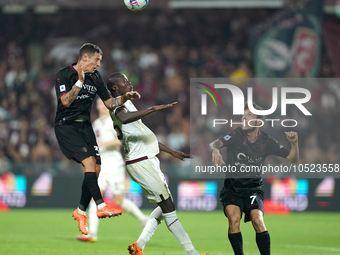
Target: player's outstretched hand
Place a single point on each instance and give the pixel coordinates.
(217, 158)
(292, 136)
(163, 106)
(132, 95)
(181, 155)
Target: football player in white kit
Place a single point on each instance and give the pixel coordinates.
(141, 147)
(112, 172)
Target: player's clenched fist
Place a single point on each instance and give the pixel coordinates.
(292, 136)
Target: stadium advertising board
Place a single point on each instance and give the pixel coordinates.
(13, 189)
(197, 195)
(317, 194)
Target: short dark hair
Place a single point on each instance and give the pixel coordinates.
(256, 106)
(112, 80)
(89, 48)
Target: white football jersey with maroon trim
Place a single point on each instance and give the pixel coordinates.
(138, 140)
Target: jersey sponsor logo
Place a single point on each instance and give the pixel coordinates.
(91, 89)
(62, 88)
(251, 159)
(82, 97)
(226, 138)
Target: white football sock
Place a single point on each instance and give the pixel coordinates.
(93, 219)
(101, 206)
(152, 224)
(178, 231)
(81, 211)
(132, 208)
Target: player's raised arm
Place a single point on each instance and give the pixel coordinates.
(68, 98)
(216, 155)
(113, 102)
(176, 154)
(293, 155)
(127, 117)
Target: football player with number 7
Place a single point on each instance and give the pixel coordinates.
(247, 147)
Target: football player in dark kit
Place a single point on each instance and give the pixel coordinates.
(247, 147)
(76, 87)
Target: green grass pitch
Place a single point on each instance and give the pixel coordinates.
(53, 231)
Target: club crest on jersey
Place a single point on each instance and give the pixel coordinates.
(62, 88)
(227, 137)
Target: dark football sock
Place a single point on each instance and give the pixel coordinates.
(236, 243)
(85, 197)
(92, 185)
(263, 242)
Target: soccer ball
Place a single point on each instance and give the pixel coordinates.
(136, 5)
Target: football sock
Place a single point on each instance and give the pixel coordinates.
(92, 184)
(236, 243)
(132, 208)
(263, 242)
(81, 212)
(101, 206)
(178, 231)
(85, 197)
(154, 221)
(93, 220)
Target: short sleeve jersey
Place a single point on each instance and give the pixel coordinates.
(81, 106)
(241, 152)
(103, 129)
(138, 140)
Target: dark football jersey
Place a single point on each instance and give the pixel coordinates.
(81, 106)
(241, 153)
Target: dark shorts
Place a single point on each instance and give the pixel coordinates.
(77, 141)
(247, 202)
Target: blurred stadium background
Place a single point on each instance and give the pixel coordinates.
(160, 49)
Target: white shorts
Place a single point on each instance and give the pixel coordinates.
(148, 175)
(112, 175)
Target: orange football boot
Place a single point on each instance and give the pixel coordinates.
(87, 238)
(82, 221)
(107, 211)
(134, 249)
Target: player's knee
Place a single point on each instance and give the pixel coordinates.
(234, 221)
(258, 222)
(167, 206)
(89, 164)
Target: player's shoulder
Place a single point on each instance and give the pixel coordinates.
(96, 72)
(237, 132)
(95, 123)
(267, 137)
(129, 105)
(65, 72)
(65, 69)
(234, 134)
